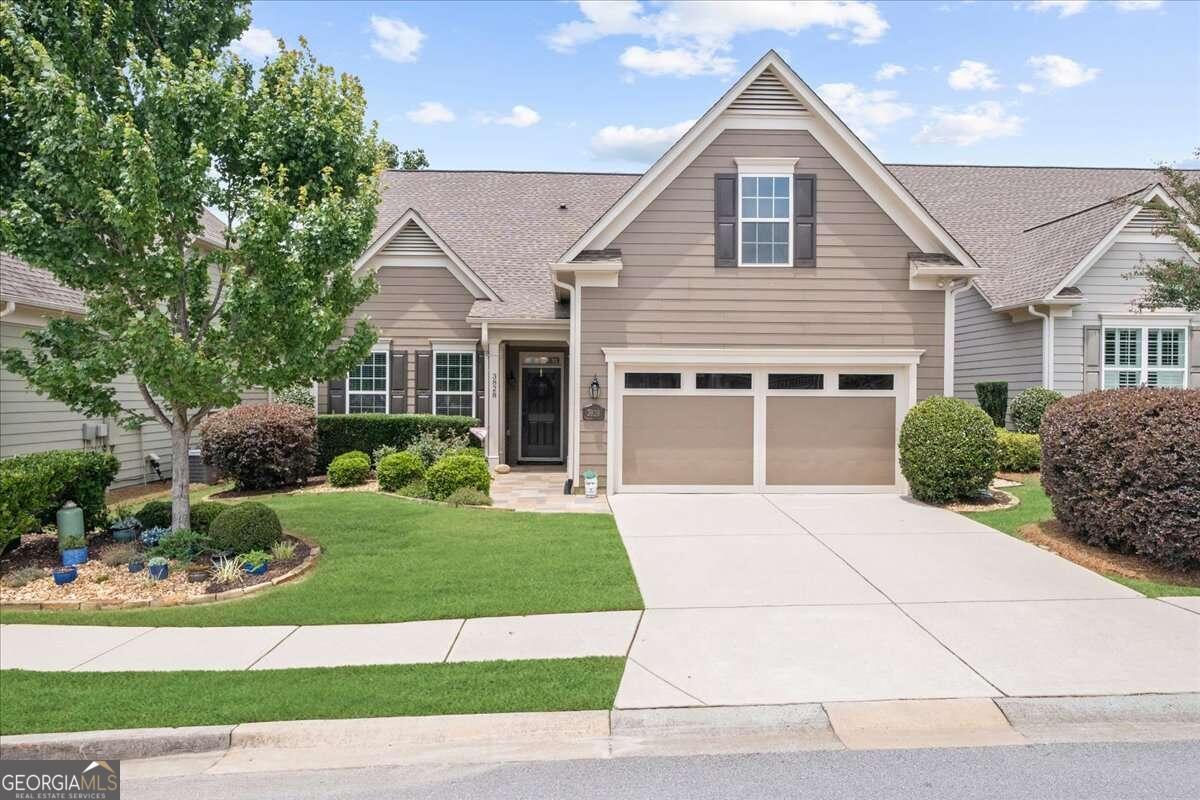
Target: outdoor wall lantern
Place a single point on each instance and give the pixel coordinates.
(594, 388)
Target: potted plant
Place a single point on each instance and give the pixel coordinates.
(590, 483)
(124, 529)
(65, 575)
(256, 561)
(137, 563)
(196, 573)
(158, 568)
(73, 549)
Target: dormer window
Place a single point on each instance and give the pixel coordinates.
(766, 219)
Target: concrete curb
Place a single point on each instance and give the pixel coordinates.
(632, 732)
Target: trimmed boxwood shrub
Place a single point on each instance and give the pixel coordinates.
(1028, 407)
(948, 450)
(993, 398)
(340, 433)
(33, 487)
(1122, 469)
(350, 469)
(155, 514)
(263, 446)
(397, 469)
(456, 471)
(203, 514)
(245, 527)
(1019, 452)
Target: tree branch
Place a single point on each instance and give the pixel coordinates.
(154, 406)
(199, 415)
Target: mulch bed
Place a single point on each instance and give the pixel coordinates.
(994, 500)
(1054, 536)
(274, 570)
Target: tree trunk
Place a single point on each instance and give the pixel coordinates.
(181, 510)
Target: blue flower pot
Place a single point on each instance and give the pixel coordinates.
(159, 571)
(259, 570)
(65, 575)
(136, 566)
(74, 557)
(124, 534)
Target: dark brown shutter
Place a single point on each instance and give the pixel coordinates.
(1194, 357)
(480, 387)
(424, 381)
(1093, 352)
(804, 248)
(725, 219)
(335, 396)
(398, 390)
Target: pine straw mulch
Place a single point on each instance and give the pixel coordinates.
(1053, 536)
(994, 500)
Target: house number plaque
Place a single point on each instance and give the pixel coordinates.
(593, 413)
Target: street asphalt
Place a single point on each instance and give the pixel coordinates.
(1098, 771)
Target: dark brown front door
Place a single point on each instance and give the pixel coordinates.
(541, 413)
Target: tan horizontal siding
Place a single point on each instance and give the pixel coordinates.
(989, 346)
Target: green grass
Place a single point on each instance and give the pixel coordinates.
(392, 560)
(38, 702)
(1035, 507)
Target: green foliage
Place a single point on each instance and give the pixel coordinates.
(1174, 282)
(338, 433)
(245, 527)
(456, 471)
(398, 469)
(155, 514)
(468, 496)
(19, 577)
(157, 561)
(948, 450)
(301, 394)
(408, 159)
(256, 558)
(1029, 405)
(993, 398)
(382, 452)
(350, 469)
(203, 514)
(182, 545)
(33, 487)
(283, 550)
(432, 446)
(71, 543)
(417, 490)
(262, 446)
(1019, 452)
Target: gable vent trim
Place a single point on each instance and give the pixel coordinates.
(411, 240)
(767, 94)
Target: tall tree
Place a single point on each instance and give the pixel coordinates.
(407, 159)
(123, 146)
(1175, 282)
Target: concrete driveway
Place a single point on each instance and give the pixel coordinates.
(763, 599)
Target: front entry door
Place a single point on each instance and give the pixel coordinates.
(541, 408)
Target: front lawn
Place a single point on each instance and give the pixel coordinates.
(39, 702)
(391, 560)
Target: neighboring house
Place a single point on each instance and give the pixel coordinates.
(1055, 307)
(32, 423)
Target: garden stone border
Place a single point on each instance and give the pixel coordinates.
(298, 571)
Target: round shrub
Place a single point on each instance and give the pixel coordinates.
(203, 514)
(456, 471)
(1122, 469)
(350, 469)
(155, 514)
(397, 469)
(1028, 407)
(468, 496)
(245, 527)
(948, 450)
(263, 446)
(1019, 452)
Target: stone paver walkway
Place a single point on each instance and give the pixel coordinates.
(541, 490)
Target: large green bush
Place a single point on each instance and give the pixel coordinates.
(1019, 452)
(456, 471)
(262, 446)
(154, 514)
(203, 514)
(431, 447)
(340, 433)
(350, 469)
(245, 527)
(33, 487)
(1029, 406)
(398, 469)
(993, 398)
(1122, 469)
(948, 450)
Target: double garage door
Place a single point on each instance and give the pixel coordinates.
(758, 428)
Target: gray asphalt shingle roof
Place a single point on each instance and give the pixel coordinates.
(23, 283)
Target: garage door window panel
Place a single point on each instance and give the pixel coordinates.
(796, 381)
(653, 380)
(730, 381)
(863, 382)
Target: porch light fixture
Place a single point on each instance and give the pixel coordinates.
(594, 388)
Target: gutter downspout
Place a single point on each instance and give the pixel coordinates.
(952, 290)
(573, 294)
(9, 308)
(1047, 345)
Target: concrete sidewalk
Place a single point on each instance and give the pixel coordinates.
(113, 649)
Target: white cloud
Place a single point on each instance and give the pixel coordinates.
(1061, 72)
(677, 61)
(430, 113)
(395, 39)
(1065, 8)
(864, 111)
(255, 43)
(888, 71)
(640, 145)
(1138, 5)
(519, 117)
(972, 75)
(986, 120)
(1026, 88)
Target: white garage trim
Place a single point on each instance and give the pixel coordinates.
(759, 363)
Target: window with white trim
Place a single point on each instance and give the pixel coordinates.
(367, 385)
(1145, 356)
(765, 219)
(454, 382)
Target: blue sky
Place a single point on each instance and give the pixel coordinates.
(608, 86)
